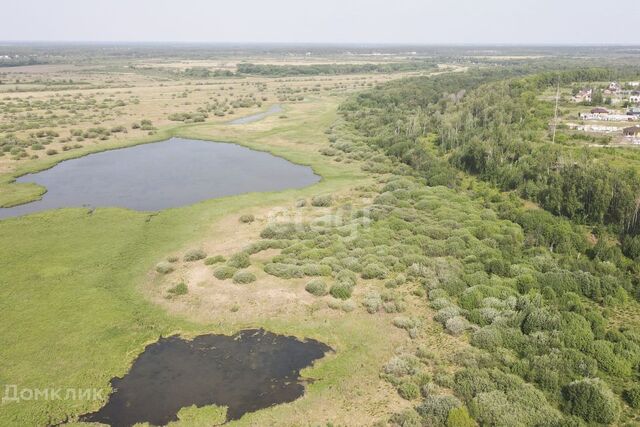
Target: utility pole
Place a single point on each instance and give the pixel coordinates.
(555, 119)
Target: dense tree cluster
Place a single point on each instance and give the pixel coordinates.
(331, 69)
(527, 287)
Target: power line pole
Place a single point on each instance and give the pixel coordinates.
(555, 119)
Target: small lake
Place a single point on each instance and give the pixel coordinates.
(251, 370)
(274, 109)
(161, 175)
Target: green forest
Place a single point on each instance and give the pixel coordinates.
(535, 253)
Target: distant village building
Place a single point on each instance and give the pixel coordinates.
(607, 117)
(613, 87)
(634, 84)
(634, 97)
(594, 128)
(599, 110)
(635, 111)
(632, 131)
(583, 96)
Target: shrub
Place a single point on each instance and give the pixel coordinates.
(246, 219)
(632, 397)
(284, 271)
(239, 260)
(194, 255)
(179, 289)
(214, 260)
(435, 409)
(523, 405)
(457, 325)
(399, 366)
(341, 290)
(280, 231)
(164, 267)
(321, 201)
(447, 313)
(591, 400)
(373, 271)
(172, 259)
(372, 302)
(224, 272)
(540, 319)
(608, 361)
(487, 338)
(346, 306)
(244, 277)
(404, 322)
(407, 418)
(317, 270)
(409, 390)
(347, 277)
(316, 287)
(51, 152)
(459, 417)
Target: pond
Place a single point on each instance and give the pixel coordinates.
(251, 370)
(274, 109)
(155, 176)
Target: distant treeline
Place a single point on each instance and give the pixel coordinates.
(331, 69)
(19, 61)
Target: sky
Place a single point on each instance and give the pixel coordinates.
(324, 21)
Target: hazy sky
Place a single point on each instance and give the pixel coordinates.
(335, 21)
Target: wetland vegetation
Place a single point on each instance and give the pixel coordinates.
(465, 267)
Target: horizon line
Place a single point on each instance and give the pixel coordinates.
(328, 43)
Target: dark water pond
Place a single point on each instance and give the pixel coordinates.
(248, 371)
(274, 109)
(172, 173)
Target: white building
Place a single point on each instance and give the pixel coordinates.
(607, 117)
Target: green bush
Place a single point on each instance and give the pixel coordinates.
(239, 260)
(407, 323)
(409, 390)
(317, 270)
(341, 290)
(591, 400)
(316, 287)
(172, 259)
(374, 271)
(214, 260)
(194, 255)
(224, 272)
(347, 277)
(244, 277)
(435, 409)
(632, 397)
(164, 267)
(246, 219)
(179, 289)
(459, 417)
(407, 418)
(321, 201)
(457, 325)
(284, 271)
(281, 231)
(372, 302)
(346, 306)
